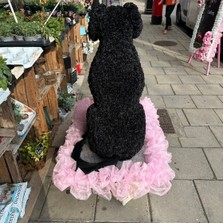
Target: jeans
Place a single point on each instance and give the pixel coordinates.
(169, 10)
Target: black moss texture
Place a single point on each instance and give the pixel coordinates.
(116, 120)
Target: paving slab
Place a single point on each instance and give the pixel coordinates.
(156, 89)
(219, 112)
(190, 163)
(113, 211)
(207, 101)
(202, 117)
(180, 205)
(191, 79)
(165, 57)
(178, 101)
(150, 78)
(218, 132)
(210, 89)
(157, 101)
(185, 89)
(175, 70)
(213, 79)
(173, 140)
(192, 71)
(167, 79)
(215, 158)
(63, 206)
(41, 198)
(198, 137)
(211, 194)
(220, 97)
(155, 71)
(182, 118)
(160, 64)
(215, 70)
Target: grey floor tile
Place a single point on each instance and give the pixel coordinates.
(219, 113)
(156, 89)
(154, 71)
(63, 206)
(212, 79)
(185, 89)
(157, 101)
(178, 101)
(191, 79)
(192, 71)
(190, 163)
(175, 70)
(168, 79)
(210, 89)
(215, 157)
(211, 193)
(113, 211)
(41, 198)
(202, 117)
(198, 137)
(180, 205)
(173, 141)
(218, 132)
(160, 64)
(207, 101)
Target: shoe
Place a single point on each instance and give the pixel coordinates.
(165, 31)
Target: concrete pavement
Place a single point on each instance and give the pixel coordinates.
(195, 104)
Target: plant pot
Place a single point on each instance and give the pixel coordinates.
(7, 38)
(19, 38)
(32, 38)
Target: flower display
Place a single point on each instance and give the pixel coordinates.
(201, 53)
(132, 180)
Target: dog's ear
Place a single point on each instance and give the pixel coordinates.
(96, 18)
(135, 18)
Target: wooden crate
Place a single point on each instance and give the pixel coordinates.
(7, 121)
(9, 171)
(83, 21)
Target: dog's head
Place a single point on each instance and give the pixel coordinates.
(124, 20)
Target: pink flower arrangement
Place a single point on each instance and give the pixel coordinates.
(201, 53)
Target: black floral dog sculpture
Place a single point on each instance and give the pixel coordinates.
(116, 120)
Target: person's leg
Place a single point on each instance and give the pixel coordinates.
(169, 10)
(167, 17)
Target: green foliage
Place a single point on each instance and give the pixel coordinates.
(34, 149)
(56, 26)
(6, 30)
(5, 74)
(17, 114)
(49, 5)
(65, 101)
(80, 7)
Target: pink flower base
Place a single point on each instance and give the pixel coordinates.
(133, 180)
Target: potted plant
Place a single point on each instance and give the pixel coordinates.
(65, 102)
(19, 31)
(34, 150)
(5, 74)
(6, 32)
(30, 31)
